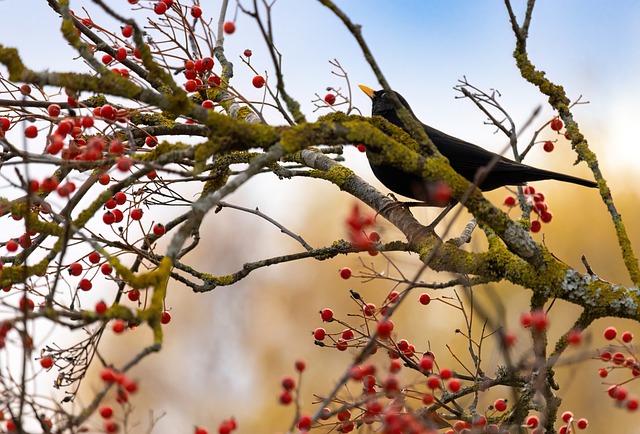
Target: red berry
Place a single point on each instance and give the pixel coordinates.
(118, 326)
(509, 201)
(31, 132)
(546, 216)
(196, 12)
(46, 362)
(384, 328)
(12, 245)
(191, 85)
(106, 269)
(229, 27)
(53, 110)
(26, 304)
(326, 314)
(610, 333)
(433, 382)
(108, 218)
(319, 334)
(627, 337)
(454, 385)
(632, 404)
(108, 112)
(207, 103)
(200, 430)
(165, 318)
(330, 98)
(133, 295)
(158, 230)
(4, 124)
(75, 269)
(535, 226)
(101, 307)
(345, 272)
(106, 412)
(603, 373)
(426, 363)
(285, 397)
(160, 8)
(110, 426)
(548, 146)
(556, 124)
(247, 53)
(108, 375)
(121, 54)
(532, 421)
(85, 284)
(104, 179)
(582, 423)
(127, 31)
(124, 164)
(369, 309)
(288, 383)
(304, 423)
(258, 81)
(567, 416)
(207, 63)
(445, 373)
(574, 337)
(347, 334)
(425, 299)
(136, 214)
(500, 405)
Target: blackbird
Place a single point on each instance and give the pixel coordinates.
(464, 157)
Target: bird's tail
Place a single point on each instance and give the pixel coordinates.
(541, 174)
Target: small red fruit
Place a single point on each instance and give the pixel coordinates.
(229, 27)
(258, 81)
(106, 412)
(165, 318)
(31, 132)
(160, 8)
(53, 110)
(425, 299)
(556, 124)
(319, 334)
(500, 405)
(326, 314)
(159, 230)
(627, 337)
(196, 12)
(535, 226)
(118, 326)
(247, 53)
(345, 272)
(610, 333)
(136, 214)
(94, 257)
(300, 365)
(548, 146)
(384, 328)
(101, 307)
(330, 98)
(124, 164)
(46, 362)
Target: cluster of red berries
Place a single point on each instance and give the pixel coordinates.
(289, 384)
(199, 71)
(536, 201)
(357, 225)
(571, 424)
(126, 385)
(536, 319)
(618, 360)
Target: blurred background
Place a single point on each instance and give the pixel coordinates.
(225, 351)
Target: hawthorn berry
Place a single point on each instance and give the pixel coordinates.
(200, 430)
(369, 309)
(433, 382)
(288, 383)
(118, 326)
(4, 124)
(207, 63)
(393, 296)
(160, 8)
(53, 110)
(446, 373)
(582, 423)
(384, 328)
(46, 362)
(85, 284)
(610, 333)
(556, 124)
(136, 214)
(347, 334)
(106, 412)
(196, 12)
(118, 215)
(345, 272)
(532, 422)
(546, 216)
(574, 337)
(454, 385)
(75, 269)
(165, 318)
(330, 98)
(106, 268)
(627, 337)
(121, 54)
(108, 375)
(159, 229)
(500, 405)
(258, 81)
(426, 363)
(229, 27)
(247, 53)
(133, 295)
(111, 427)
(191, 85)
(31, 132)
(104, 179)
(108, 218)
(326, 314)
(319, 334)
(207, 103)
(341, 345)
(425, 299)
(535, 226)
(124, 164)
(300, 365)
(101, 307)
(11, 245)
(548, 146)
(285, 397)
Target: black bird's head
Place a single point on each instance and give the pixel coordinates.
(382, 104)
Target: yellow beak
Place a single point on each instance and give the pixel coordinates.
(366, 90)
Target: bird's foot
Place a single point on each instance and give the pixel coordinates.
(398, 204)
